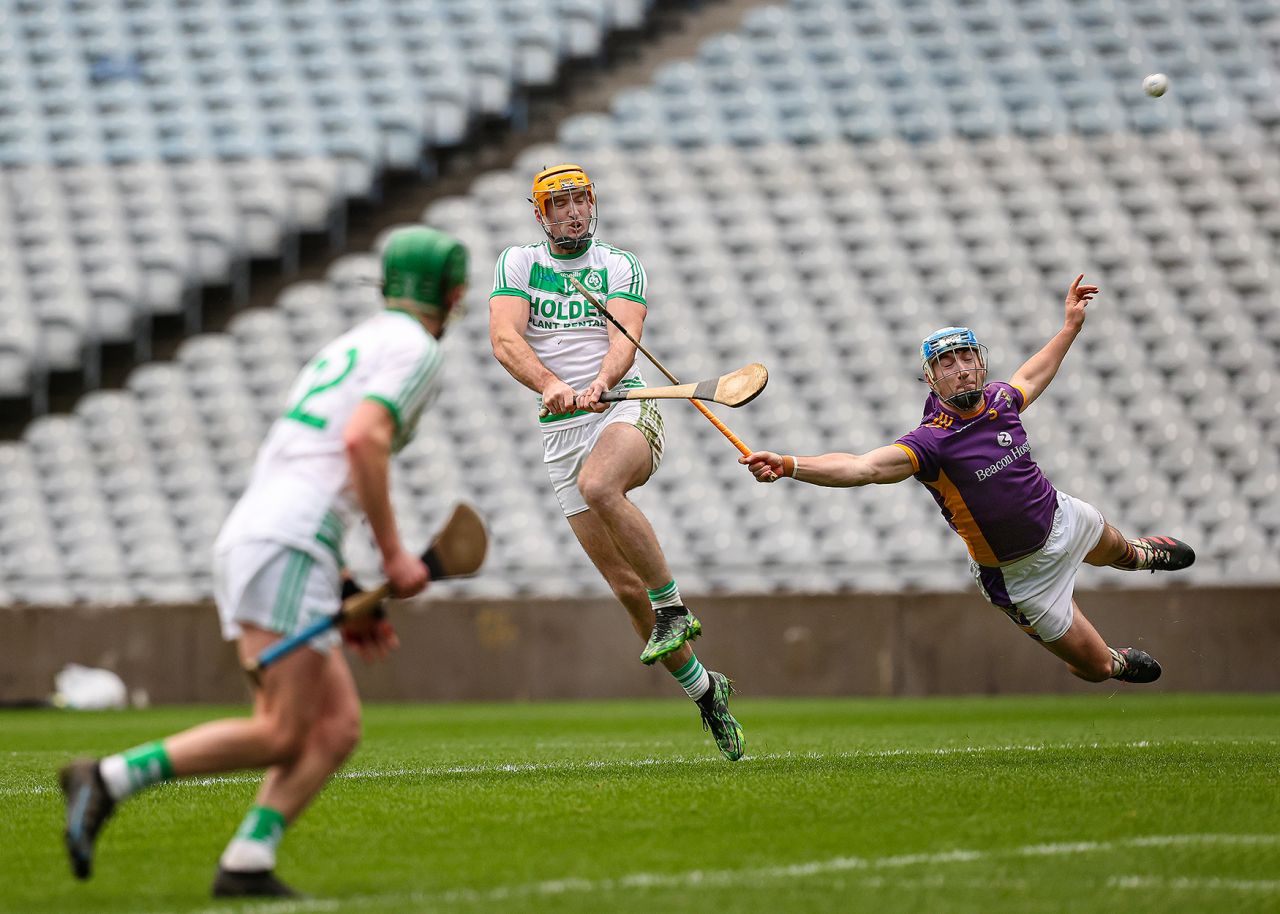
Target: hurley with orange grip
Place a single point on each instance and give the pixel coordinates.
(599, 306)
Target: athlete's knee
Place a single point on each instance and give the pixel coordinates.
(339, 735)
(599, 491)
(284, 737)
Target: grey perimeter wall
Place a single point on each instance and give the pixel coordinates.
(857, 644)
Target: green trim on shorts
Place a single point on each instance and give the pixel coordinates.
(330, 535)
(556, 417)
(293, 584)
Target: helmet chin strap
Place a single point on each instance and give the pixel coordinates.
(966, 399)
(569, 243)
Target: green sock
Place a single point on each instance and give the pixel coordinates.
(666, 595)
(253, 848)
(264, 824)
(128, 772)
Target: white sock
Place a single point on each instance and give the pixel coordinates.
(245, 856)
(667, 595)
(115, 775)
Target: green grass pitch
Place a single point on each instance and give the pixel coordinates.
(1115, 801)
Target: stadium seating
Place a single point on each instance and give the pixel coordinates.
(840, 178)
(153, 147)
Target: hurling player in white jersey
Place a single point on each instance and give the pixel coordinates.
(555, 343)
(278, 567)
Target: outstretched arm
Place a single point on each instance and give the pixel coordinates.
(1036, 372)
(882, 466)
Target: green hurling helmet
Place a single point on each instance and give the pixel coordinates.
(423, 265)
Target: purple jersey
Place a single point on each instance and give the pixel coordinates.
(981, 474)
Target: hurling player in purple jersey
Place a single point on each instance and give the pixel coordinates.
(1026, 539)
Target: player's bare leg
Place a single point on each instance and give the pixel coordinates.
(598, 543)
(284, 709)
(711, 690)
(247, 866)
(1145, 553)
(1090, 658)
(290, 787)
(621, 461)
(1083, 649)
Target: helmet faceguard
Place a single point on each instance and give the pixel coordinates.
(426, 267)
(564, 203)
(953, 339)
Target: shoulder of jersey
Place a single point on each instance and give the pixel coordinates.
(610, 249)
(1001, 391)
(513, 248)
(394, 336)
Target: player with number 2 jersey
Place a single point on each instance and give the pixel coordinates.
(278, 567)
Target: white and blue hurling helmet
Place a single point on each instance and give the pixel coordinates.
(949, 339)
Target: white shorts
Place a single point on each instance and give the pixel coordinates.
(1035, 591)
(565, 451)
(278, 588)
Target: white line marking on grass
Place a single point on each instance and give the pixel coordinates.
(1183, 884)
(759, 876)
(625, 764)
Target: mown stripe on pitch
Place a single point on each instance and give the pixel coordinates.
(567, 767)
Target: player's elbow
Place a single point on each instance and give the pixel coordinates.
(502, 342)
(363, 441)
(355, 440)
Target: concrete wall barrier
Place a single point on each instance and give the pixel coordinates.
(1220, 639)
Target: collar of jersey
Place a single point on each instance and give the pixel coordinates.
(408, 315)
(590, 241)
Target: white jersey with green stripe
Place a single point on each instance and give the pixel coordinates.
(300, 492)
(565, 332)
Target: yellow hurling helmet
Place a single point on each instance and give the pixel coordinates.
(548, 185)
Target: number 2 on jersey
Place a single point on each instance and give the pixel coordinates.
(319, 386)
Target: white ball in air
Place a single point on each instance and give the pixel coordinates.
(1155, 85)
